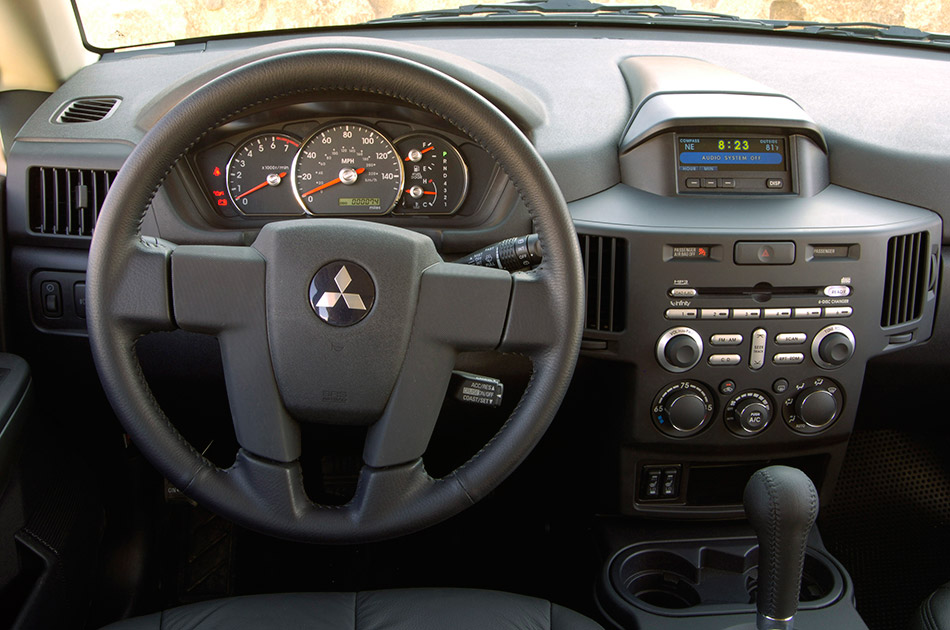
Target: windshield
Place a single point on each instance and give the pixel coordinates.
(108, 24)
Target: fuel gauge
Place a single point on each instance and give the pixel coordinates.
(436, 175)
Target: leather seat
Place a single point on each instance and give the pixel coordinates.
(413, 609)
(934, 613)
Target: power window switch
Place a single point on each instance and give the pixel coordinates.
(51, 298)
(671, 483)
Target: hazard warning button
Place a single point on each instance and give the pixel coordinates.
(765, 253)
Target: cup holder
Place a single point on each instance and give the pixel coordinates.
(664, 590)
(710, 577)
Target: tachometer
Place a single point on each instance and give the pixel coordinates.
(347, 168)
(256, 174)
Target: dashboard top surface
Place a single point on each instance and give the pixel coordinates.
(564, 88)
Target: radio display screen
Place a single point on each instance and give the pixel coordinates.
(730, 153)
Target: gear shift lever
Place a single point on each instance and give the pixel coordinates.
(781, 504)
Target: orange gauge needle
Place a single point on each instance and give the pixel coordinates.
(258, 187)
(359, 171)
(424, 192)
(421, 152)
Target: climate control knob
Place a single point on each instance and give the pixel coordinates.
(833, 346)
(816, 408)
(682, 409)
(679, 349)
(813, 405)
(748, 413)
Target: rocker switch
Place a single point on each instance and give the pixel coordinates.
(757, 355)
(51, 297)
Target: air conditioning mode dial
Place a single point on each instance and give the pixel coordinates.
(813, 405)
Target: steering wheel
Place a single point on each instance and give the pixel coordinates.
(284, 365)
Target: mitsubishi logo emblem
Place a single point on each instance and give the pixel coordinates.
(342, 293)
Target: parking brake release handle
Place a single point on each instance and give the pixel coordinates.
(781, 503)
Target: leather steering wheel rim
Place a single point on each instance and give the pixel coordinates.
(133, 289)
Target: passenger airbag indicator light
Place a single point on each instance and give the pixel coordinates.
(690, 252)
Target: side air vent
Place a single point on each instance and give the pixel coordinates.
(906, 281)
(605, 265)
(67, 201)
(87, 110)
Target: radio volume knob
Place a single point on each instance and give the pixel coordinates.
(679, 349)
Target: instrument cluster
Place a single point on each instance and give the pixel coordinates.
(337, 165)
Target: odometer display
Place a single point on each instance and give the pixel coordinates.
(347, 168)
(359, 201)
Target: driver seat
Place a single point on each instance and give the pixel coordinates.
(408, 609)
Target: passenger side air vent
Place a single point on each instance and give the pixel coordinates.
(87, 110)
(67, 201)
(605, 264)
(907, 276)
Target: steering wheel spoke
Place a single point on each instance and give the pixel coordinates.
(139, 298)
(532, 318)
(220, 291)
(460, 308)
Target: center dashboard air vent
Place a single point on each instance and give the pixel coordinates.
(67, 201)
(88, 109)
(605, 265)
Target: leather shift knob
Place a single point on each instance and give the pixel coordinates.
(781, 503)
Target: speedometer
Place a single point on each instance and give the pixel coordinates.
(347, 168)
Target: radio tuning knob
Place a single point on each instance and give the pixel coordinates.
(833, 346)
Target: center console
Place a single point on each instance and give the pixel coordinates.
(749, 293)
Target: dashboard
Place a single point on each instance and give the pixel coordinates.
(753, 233)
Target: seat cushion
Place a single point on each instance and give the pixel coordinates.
(410, 609)
(934, 613)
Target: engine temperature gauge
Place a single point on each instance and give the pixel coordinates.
(436, 175)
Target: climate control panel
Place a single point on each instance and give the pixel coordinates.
(685, 408)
